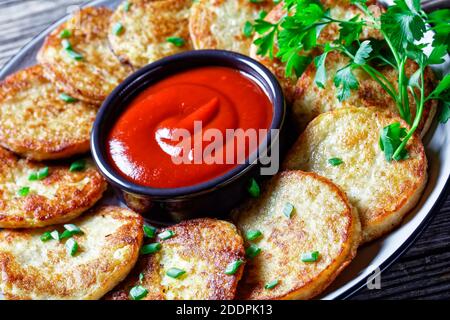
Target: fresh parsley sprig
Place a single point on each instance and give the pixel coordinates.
(403, 27)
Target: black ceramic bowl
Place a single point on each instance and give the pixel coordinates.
(212, 198)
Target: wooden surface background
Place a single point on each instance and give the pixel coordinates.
(422, 273)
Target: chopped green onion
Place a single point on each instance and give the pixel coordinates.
(141, 277)
(66, 44)
(166, 235)
(24, 191)
(65, 235)
(149, 231)
(233, 267)
(151, 248)
(176, 41)
(72, 228)
(70, 231)
(271, 284)
(118, 29)
(253, 235)
(72, 246)
(78, 165)
(46, 236)
(74, 55)
(310, 256)
(252, 251)
(39, 175)
(254, 189)
(126, 6)
(175, 273)
(335, 161)
(288, 209)
(66, 98)
(138, 293)
(55, 235)
(65, 34)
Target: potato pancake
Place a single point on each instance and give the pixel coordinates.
(39, 122)
(143, 31)
(383, 192)
(77, 58)
(36, 266)
(35, 195)
(220, 24)
(191, 264)
(300, 234)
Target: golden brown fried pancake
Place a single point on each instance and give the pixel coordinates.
(107, 250)
(37, 123)
(57, 198)
(97, 71)
(219, 24)
(321, 221)
(203, 248)
(145, 27)
(383, 192)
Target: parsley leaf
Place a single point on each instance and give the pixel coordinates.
(445, 112)
(321, 73)
(363, 53)
(345, 81)
(390, 139)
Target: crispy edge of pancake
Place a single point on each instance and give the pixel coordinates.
(223, 286)
(87, 24)
(125, 47)
(37, 210)
(386, 219)
(30, 147)
(129, 234)
(317, 285)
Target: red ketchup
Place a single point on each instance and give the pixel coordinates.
(141, 144)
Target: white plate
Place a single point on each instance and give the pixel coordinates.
(375, 256)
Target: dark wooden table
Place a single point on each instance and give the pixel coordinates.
(422, 273)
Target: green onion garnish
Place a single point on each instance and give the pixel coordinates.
(175, 273)
(74, 55)
(70, 231)
(46, 236)
(141, 277)
(65, 34)
(118, 29)
(252, 251)
(151, 248)
(55, 235)
(288, 209)
(138, 293)
(310, 256)
(39, 175)
(253, 235)
(78, 165)
(233, 267)
(166, 235)
(335, 161)
(149, 231)
(72, 246)
(66, 44)
(254, 189)
(66, 98)
(271, 284)
(24, 191)
(126, 6)
(176, 41)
